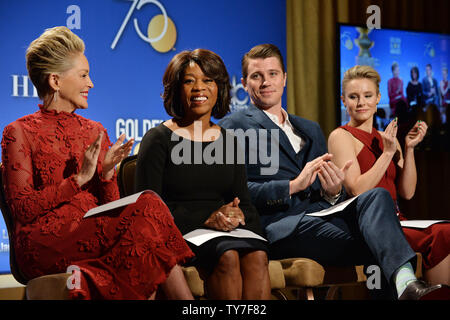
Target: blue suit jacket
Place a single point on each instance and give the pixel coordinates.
(280, 213)
(426, 86)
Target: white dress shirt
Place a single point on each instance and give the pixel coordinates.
(297, 143)
(295, 139)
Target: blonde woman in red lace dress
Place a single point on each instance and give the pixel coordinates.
(57, 166)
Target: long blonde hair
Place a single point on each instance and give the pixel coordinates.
(52, 52)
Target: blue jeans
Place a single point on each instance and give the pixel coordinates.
(366, 232)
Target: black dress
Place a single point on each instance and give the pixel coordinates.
(414, 95)
(195, 179)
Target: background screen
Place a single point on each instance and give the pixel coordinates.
(388, 49)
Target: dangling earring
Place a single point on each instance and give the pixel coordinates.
(55, 96)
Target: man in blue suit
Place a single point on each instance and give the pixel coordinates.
(430, 87)
(366, 232)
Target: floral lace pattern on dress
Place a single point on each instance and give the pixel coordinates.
(124, 254)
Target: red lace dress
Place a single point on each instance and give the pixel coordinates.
(433, 242)
(123, 254)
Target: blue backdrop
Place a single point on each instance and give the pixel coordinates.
(125, 68)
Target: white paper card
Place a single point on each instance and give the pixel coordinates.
(420, 224)
(332, 209)
(114, 204)
(200, 236)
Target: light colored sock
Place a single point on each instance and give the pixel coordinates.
(404, 276)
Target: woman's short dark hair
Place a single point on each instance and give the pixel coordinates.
(211, 65)
(417, 72)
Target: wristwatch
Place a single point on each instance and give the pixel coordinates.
(330, 199)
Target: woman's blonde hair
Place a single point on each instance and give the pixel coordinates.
(361, 72)
(52, 52)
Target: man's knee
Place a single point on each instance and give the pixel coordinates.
(377, 205)
(378, 194)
